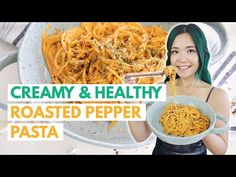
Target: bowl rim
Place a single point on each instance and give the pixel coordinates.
(173, 137)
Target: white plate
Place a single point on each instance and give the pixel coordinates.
(32, 70)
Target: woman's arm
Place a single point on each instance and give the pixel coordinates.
(139, 130)
(219, 100)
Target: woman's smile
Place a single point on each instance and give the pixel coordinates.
(183, 68)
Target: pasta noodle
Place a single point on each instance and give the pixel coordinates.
(101, 53)
(170, 71)
(181, 120)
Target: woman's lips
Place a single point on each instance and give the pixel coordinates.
(183, 68)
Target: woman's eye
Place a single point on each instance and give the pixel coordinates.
(191, 51)
(174, 51)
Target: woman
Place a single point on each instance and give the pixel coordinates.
(188, 52)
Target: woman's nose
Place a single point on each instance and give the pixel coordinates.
(182, 57)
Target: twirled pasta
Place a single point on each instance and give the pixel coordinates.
(170, 71)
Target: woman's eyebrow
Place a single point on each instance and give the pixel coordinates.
(190, 47)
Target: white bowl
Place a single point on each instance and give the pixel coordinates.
(155, 111)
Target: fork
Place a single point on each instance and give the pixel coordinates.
(149, 74)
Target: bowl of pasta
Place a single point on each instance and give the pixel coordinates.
(184, 120)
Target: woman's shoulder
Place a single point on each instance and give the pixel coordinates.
(220, 98)
(220, 102)
(216, 91)
(220, 93)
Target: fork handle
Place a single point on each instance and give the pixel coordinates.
(150, 74)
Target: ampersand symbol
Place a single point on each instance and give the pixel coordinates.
(84, 93)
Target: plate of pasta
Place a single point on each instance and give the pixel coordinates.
(183, 120)
(93, 53)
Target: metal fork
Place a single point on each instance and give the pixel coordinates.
(149, 74)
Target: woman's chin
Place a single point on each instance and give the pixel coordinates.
(185, 75)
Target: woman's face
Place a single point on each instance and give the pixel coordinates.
(184, 56)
